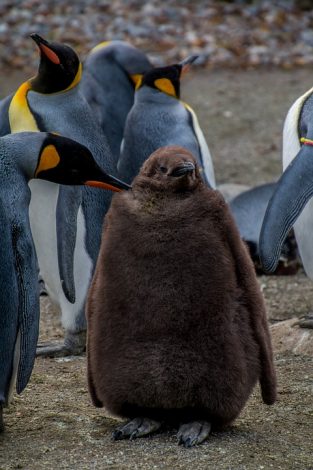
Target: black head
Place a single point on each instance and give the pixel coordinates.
(65, 161)
(167, 79)
(59, 67)
(169, 169)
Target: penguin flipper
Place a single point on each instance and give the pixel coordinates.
(28, 303)
(255, 305)
(69, 201)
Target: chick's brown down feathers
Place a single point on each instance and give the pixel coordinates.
(176, 320)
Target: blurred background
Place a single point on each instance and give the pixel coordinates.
(229, 34)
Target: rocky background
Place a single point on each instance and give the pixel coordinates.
(229, 34)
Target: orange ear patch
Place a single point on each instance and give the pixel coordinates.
(137, 79)
(48, 159)
(50, 54)
(165, 85)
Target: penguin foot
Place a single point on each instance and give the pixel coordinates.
(74, 344)
(137, 427)
(191, 434)
(307, 321)
(1, 420)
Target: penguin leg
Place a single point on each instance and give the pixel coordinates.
(307, 321)
(1, 420)
(137, 427)
(74, 344)
(191, 434)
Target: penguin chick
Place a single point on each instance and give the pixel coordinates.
(177, 328)
(159, 118)
(24, 156)
(66, 222)
(111, 72)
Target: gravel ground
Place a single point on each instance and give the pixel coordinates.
(231, 34)
(53, 424)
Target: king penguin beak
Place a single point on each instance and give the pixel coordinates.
(105, 181)
(185, 64)
(45, 48)
(293, 191)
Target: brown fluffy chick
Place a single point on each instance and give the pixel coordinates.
(177, 328)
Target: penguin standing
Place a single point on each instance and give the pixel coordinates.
(292, 204)
(24, 156)
(177, 328)
(248, 210)
(111, 72)
(159, 118)
(66, 223)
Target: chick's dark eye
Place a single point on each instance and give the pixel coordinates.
(163, 169)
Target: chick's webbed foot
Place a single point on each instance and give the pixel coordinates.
(191, 434)
(137, 427)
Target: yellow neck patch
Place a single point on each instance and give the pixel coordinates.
(77, 78)
(48, 159)
(136, 78)
(165, 85)
(20, 116)
(99, 46)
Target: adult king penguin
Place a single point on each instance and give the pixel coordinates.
(248, 209)
(24, 156)
(177, 328)
(159, 118)
(111, 72)
(291, 204)
(66, 222)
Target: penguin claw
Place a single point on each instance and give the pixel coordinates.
(137, 427)
(194, 433)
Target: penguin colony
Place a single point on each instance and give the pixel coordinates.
(193, 352)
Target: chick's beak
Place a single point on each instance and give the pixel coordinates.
(183, 169)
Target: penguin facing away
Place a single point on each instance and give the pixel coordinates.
(292, 204)
(66, 222)
(177, 328)
(159, 118)
(111, 72)
(24, 156)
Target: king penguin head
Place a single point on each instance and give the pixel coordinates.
(59, 68)
(65, 161)
(167, 79)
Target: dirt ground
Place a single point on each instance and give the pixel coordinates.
(53, 425)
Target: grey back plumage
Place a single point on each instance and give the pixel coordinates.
(107, 86)
(155, 120)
